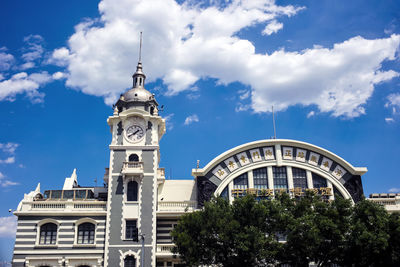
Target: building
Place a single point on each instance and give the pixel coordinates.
(390, 201)
(127, 222)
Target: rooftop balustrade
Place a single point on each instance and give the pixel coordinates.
(176, 206)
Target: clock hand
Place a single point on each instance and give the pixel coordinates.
(136, 132)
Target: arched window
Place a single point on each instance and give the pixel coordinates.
(240, 182)
(133, 157)
(130, 261)
(318, 181)
(225, 193)
(86, 233)
(151, 110)
(280, 177)
(260, 178)
(299, 178)
(48, 234)
(132, 192)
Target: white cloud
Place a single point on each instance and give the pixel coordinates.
(389, 120)
(193, 96)
(310, 114)
(272, 27)
(393, 101)
(59, 57)
(27, 65)
(6, 60)
(5, 182)
(35, 49)
(198, 42)
(242, 107)
(244, 94)
(58, 75)
(8, 160)
(168, 121)
(24, 83)
(8, 226)
(8, 147)
(394, 190)
(191, 119)
(101, 54)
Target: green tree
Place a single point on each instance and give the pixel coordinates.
(227, 235)
(248, 233)
(368, 240)
(393, 251)
(316, 231)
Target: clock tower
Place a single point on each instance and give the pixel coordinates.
(136, 131)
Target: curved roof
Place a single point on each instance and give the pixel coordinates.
(138, 94)
(283, 142)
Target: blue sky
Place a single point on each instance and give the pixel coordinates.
(330, 68)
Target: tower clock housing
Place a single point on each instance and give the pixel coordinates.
(136, 131)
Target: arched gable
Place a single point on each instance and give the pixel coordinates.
(220, 171)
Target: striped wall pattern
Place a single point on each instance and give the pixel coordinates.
(164, 227)
(66, 247)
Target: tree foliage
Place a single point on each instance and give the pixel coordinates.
(296, 231)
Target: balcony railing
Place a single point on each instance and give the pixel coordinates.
(177, 206)
(132, 167)
(64, 206)
(164, 249)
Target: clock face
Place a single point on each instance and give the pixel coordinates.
(134, 133)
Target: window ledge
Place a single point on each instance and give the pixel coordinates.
(84, 245)
(45, 246)
(130, 239)
(131, 202)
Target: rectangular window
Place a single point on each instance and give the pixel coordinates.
(240, 182)
(299, 178)
(280, 177)
(86, 233)
(260, 178)
(80, 194)
(48, 234)
(131, 231)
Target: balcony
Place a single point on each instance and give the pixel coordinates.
(164, 250)
(132, 168)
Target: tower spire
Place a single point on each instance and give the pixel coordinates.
(140, 48)
(138, 76)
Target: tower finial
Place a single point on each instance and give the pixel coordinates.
(138, 76)
(273, 121)
(140, 48)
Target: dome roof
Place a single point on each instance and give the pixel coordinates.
(138, 94)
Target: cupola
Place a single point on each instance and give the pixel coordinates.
(138, 96)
